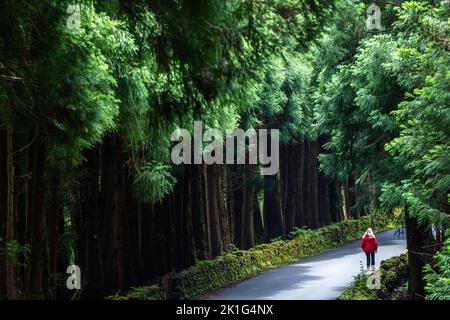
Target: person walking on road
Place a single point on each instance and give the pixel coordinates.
(369, 244)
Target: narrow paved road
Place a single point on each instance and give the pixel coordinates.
(321, 277)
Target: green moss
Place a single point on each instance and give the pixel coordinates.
(239, 265)
(393, 274)
(437, 276)
(154, 292)
(358, 290)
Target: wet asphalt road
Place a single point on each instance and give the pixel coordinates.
(320, 277)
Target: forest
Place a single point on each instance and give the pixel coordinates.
(92, 90)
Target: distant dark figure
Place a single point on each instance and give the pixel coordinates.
(369, 244)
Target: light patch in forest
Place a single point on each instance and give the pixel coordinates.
(251, 146)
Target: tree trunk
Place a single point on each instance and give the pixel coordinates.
(36, 216)
(273, 214)
(324, 200)
(345, 200)
(3, 208)
(115, 242)
(12, 286)
(178, 214)
(247, 230)
(352, 196)
(313, 214)
(54, 212)
(333, 196)
(93, 273)
(323, 190)
(237, 194)
(415, 242)
(198, 215)
(300, 214)
(290, 190)
(257, 220)
(212, 211)
(188, 240)
(223, 214)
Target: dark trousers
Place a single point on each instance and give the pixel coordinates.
(370, 259)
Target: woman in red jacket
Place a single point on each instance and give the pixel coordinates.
(369, 244)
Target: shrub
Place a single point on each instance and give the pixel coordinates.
(438, 278)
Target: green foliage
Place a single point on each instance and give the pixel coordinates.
(153, 292)
(141, 69)
(422, 148)
(281, 100)
(361, 95)
(353, 90)
(437, 277)
(383, 100)
(238, 265)
(296, 119)
(358, 290)
(67, 244)
(14, 252)
(153, 182)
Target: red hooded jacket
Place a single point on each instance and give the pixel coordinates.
(369, 244)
